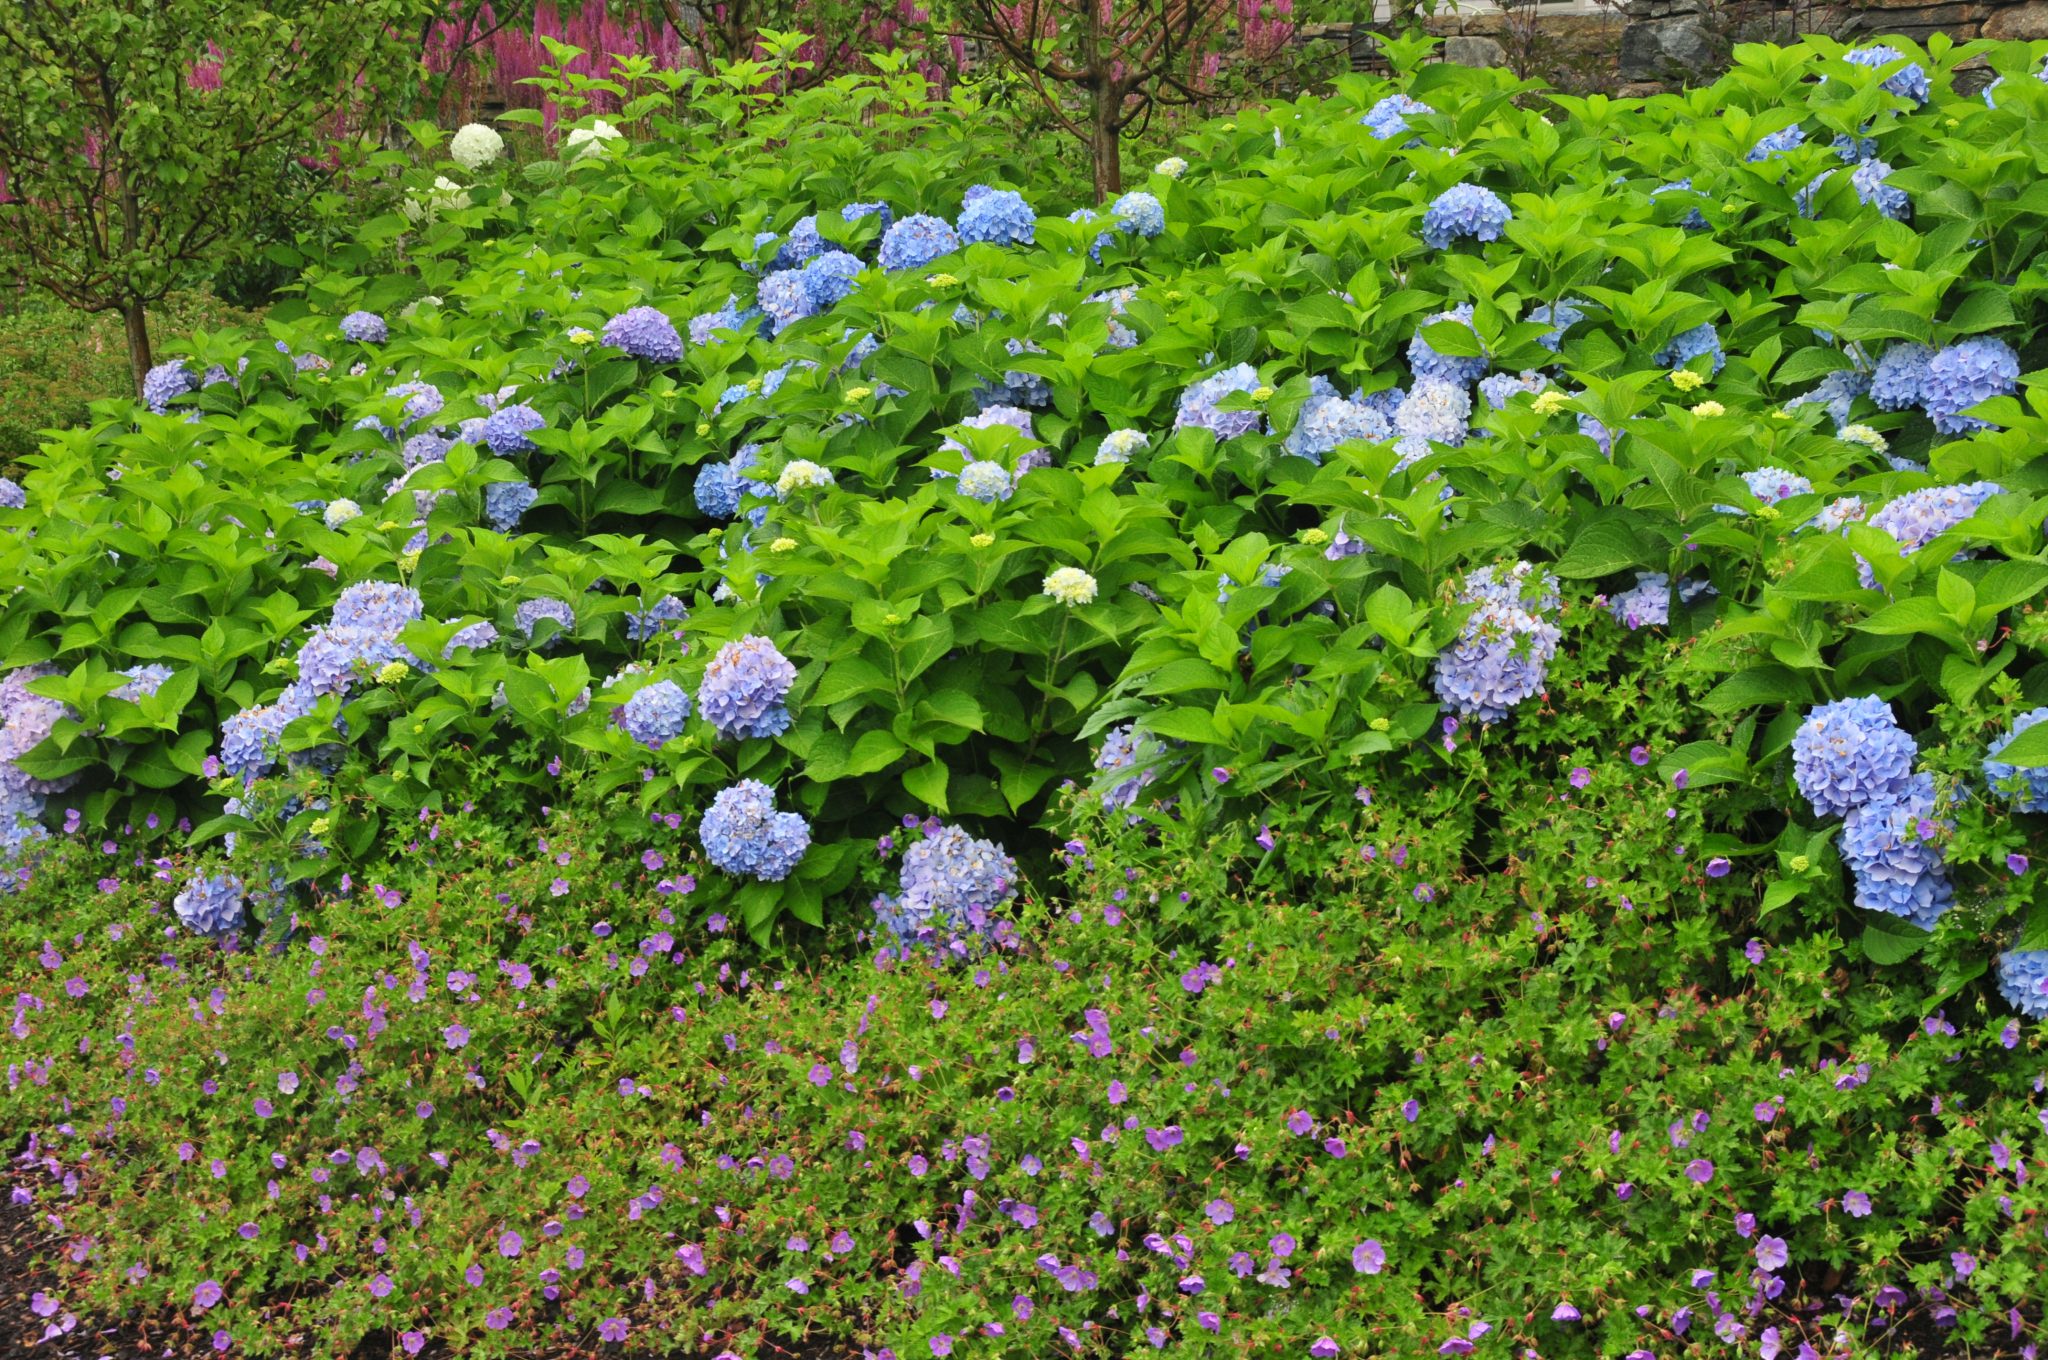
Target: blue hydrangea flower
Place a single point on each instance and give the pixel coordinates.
(26, 722)
(1837, 392)
(1777, 143)
(854, 212)
(507, 429)
(985, 481)
(1854, 150)
(1198, 403)
(423, 448)
(1331, 421)
(1560, 317)
(950, 884)
(1909, 82)
(1689, 345)
(645, 333)
(1964, 374)
(476, 637)
(12, 497)
(830, 277)
(1502, 388)
(784, 298)
(1900, 379)
(1869, 181)
(643, 624)
(706, 325)
(210, 905)
(1101, 239)
(249, 739)
(1120, 446)
(1018, 388)
(1770, 485)
(1646, 604)
(2027, 787)
(745, 836)
(1437, 410)
(916, 241)
(165, 383)
(336, 656)
(365, 328)
(1504, 648)
(656, 714)
(1464, 210)
(744, 688)
(506, 503)
(2023, 981)
(1427, 363)
(1918, 517)
(804, 244)
(1389, 117)
(1131, 759)
(530, 612)
(1140, 213)
(1851, 752)
(143, 681)
(997, 217)
(1694, 220)
(1892, 847)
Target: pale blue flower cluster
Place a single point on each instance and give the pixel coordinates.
(1646, 604)
(1777, 143)
(999, 416)
(506, 503)
(2023, 981)
(529, 614)
(1140, 213)
(745, 836)
(1427, 363)
(1689, 345)
(1964, 374)
(2026, 786)
(1502, 388)
(656, 714)
(1504, 649)
(1892, 847)
(365, 328)
(508, 428)
(1560, 316)
(719, 485)
(1130, 758)
(997, 217)
(26, 722)
(854, 212)
(1849, 753)
(916, 241)
(1389, 117)
(1464, 210)
(830, 277)
(1435, 410)
(1198, 403)
(1900, 379)
(12, 497)
(1837, 392)
(166, 383)
(1329, 420)
(210, 904)
(143, 681)
(1908, 82)
(475, 636)
(1770, 485)
(1869, 180)
(950, 884)
(644, 624)
(1120, 446)
(1694, 220)
(731, 317)
(645, 333)
(985, 481)
(1920, 516)
(744, 688)
(784, 299)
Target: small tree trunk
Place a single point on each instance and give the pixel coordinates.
(1107, 145)
(137, 324)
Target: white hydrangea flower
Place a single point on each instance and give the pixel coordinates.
(475, 146)
(341, 512)
(1070, 586)
(584, 140)
(802, 475)
(1173, 167)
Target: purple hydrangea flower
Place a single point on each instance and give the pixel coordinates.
(530, 612)
(2023, 981)
(645, 333)
(745, 836)
(744, 688)
(506, 429)
(1889, 846)
(1427, 363)
(950, 884)
(1464, 210)
(2028, 787)
(1965, 374)
(656, 714)
(210, 905)
(1849, 753)
(916, 241)
(1198, 403)
(365, 328)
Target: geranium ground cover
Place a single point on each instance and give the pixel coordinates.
(1418, 737)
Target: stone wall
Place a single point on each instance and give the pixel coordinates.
(1672, 41)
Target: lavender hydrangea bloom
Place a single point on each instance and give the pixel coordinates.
(2027, 786)
(1918, 517)
(1436, 410)
(506, 503)
(997, 217)
(423, 448)
(950, 884)
(1389, 117)
(507, 429)
(706, 325)
(745, 836)
(335, 656)
(643, 624)
(1560, 316)
(830, 277)
(985, 481)
(1689, 345)
(1900, 379)
(784, 298)
(249, 739)
(1464, 210)
(743, 690)
(165, 383)
(1909, 82)
(365, 328)
(993, 417)
(1332, 421)
(1502, 388)
(1891, 847)
(530, 612)
(1427, 363)
(854, 212)
(645, 333)
(1198, 403)
(1119, 446)
(1770, 485)
(1128, 749)
(1964, 374)
(476, 637)
(1140, 213)
(656, 714)
(1777, 143)
(1504, 649)
(12, 497)
(1837, 392)
(1849, 753)
(1646, 604)
(422, 400)
(26, 722)
(2023, 981)
(804, 244)
(210, 905)
(1869, 182)
(916, 241)
(143, 681)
